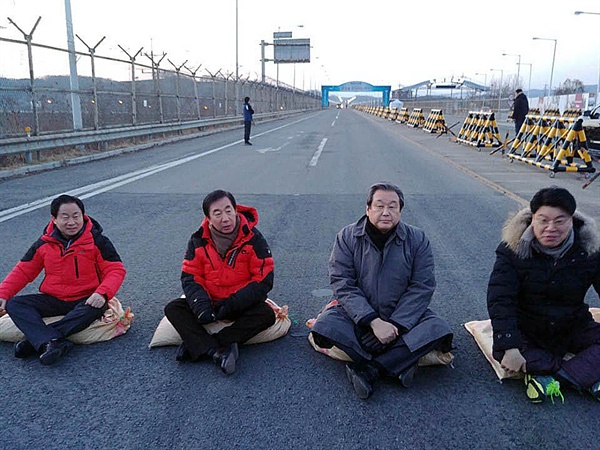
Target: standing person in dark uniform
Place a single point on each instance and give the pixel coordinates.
(248, 112)
(521, 108)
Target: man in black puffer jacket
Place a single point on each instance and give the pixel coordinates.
(520, 109)
(548, 259)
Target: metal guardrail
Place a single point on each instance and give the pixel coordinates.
(52, 141)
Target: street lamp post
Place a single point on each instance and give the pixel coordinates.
(484, 83)
(518, 66)
(529, 84)
(500, 86)
(553, 58)
(598, 84)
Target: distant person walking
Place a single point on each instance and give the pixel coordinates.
(248, 112)
(521, 108)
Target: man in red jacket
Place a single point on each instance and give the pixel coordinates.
(82, 272)
(226, 275)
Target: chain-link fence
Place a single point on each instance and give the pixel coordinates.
(144, 88)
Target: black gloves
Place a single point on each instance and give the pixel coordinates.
(224, 310)
(369, 342)
(202, 309)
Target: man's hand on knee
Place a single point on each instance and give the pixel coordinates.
(386, 332)
(95, 300)
(513, 361)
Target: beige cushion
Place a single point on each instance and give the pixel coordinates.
(432, 358)
(113, 323)
(166, 334)
(482, 332)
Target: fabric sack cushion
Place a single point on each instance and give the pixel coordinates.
(166, 334)
(432, 358)
(113, 323)
(482, 331)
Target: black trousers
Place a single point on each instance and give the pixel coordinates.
(197, 340)
(247, 127)
(518, 123)
(27, 312)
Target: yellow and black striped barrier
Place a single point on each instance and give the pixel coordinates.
(554, 112)
(480, 130)
(416, 119)
(403, 115)
(572, 112)
(552, 143)
(435, 122)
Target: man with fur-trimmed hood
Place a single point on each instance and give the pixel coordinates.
(548, 259)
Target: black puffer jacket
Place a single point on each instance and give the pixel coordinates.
(538, 296)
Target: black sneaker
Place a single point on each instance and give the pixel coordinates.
(360, 381)
(226, 358)
(54, 350)
(248, 143)
(24, 349)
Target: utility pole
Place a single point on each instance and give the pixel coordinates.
(73, 78)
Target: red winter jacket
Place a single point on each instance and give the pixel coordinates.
(242, 278)
(73, 271)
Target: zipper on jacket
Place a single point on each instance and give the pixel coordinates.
(76, 268)
(208, 257)
(98, 273)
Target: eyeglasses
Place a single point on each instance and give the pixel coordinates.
(559, 222)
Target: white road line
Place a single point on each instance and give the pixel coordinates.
(333, 123)
(315, 158)
(100, 187)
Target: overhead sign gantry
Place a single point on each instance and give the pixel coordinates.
(356, 86)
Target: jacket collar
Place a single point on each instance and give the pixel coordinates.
(586, 230)
(360, 228)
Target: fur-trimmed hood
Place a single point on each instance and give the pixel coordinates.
(587, 232)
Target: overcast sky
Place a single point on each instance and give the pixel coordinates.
(377, 41)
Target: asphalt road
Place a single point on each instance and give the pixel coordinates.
(120, 394)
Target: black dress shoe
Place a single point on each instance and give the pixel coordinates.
(407, 377)
(226, 358)
(54, 350)
(182, 353)
(360, 380)
(24, 349)
(248, 143)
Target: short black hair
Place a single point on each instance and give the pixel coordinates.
(554, 196)
(246, 99)
(65, 199)
(519, 90)
(213, 197)
(385, 186)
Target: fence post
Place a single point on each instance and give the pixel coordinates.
(36, 120)
(177, 101)
(156, 69)
(133, 96)
(196, 98)
(92, 50)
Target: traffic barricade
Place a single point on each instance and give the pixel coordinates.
(480, 129)
(553, 143)
(403, 115)
(416, 119)
(555, 112)
(572, 112)
(435, 122)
